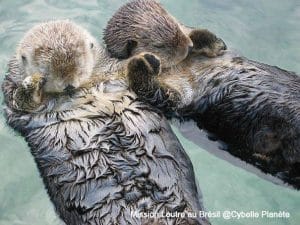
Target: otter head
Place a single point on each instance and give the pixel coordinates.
(144, 26)
(63, 53)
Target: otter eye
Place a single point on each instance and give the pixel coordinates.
(159, 45)
(24, 60)
(92, 45)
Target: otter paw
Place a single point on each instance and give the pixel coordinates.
(207, 43)
(144, 64)
(34, 82)
(28, 95)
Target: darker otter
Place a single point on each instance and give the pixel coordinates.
(104, 156)
(253, 107)
(144, 25)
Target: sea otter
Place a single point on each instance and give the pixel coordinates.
(104, 156)
(253, 107)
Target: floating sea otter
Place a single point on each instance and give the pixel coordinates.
(253, 107)
(103, 155)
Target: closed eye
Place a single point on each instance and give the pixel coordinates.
(159, 45)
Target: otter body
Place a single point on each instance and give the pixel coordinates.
(103, 155)
(253, 107)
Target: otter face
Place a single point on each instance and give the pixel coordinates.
(60, 51)
(144, 26)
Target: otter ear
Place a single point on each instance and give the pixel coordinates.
(125, 51)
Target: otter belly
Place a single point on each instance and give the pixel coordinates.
(255, 108)
(105, 157)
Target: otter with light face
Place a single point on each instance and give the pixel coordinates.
(104, 156)
(53, 61)
(64, 59)
(144, 25)
(253, 107)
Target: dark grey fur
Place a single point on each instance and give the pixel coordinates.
(252, 106)
(102, 154)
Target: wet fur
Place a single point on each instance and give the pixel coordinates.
(252, 106)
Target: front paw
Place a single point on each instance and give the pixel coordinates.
(34, 82)
(142, 71)
(207, 43)
(144, 64)
(28, 95)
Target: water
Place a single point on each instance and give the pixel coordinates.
(264, 30)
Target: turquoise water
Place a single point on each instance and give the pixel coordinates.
(264, 30)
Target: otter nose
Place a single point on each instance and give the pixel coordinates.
(69, 89)
(190, 49)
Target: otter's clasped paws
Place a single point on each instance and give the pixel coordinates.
(206, 43)
(142, 71)
(144, 64)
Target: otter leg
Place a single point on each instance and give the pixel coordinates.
(28, 95)
(206, 43)
(142, 73)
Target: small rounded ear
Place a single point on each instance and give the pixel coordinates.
(125, 51)
(24, 60)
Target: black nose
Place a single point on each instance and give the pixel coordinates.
(69, 89)
(223, 43)
(190, 49)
